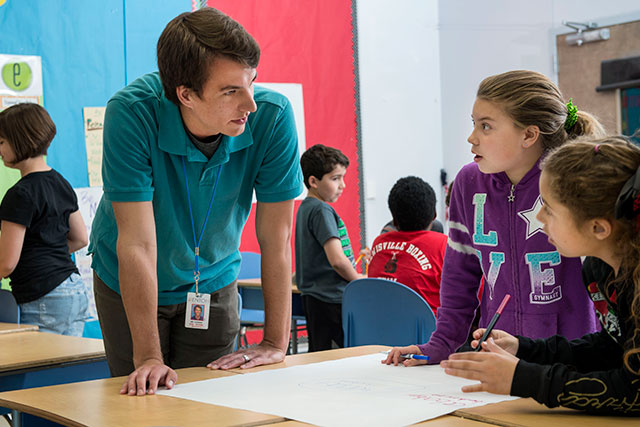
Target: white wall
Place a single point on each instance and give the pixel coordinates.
(478, 39)
(401, 135)
(420, 65)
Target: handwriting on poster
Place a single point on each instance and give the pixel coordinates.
(93, 126)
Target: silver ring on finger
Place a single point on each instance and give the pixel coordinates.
(246, 358)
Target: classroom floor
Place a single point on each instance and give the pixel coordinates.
(4, 422)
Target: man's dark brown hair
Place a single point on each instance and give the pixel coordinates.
(191, 41)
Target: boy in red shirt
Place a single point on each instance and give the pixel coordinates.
(412, 255)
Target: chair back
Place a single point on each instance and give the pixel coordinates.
(250, 266)
(9, 311)
(380, 311)
(92, 329)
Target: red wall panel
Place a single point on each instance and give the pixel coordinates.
(311, 43)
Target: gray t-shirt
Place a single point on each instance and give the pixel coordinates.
(317, 222)
(208, 145)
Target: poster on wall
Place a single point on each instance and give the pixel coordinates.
(93, 127)
(88, 201)
(21, 80)
(293, 92)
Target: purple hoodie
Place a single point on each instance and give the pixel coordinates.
(493, 231)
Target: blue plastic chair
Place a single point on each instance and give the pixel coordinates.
(252, 312)
(9, 310)
(252, 299)
(380, 311)
(92, 329)
(298, 321)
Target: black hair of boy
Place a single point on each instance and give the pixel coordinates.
(319, 160)
(28, 129)
(412, 203)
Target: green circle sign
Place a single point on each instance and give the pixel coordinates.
(16, 75)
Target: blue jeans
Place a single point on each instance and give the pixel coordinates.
(62, 311)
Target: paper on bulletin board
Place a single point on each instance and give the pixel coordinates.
(88, 201)
(20, 80)
(293, 92)
(93, 128)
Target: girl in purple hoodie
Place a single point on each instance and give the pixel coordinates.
(493, 229)
(591, 193)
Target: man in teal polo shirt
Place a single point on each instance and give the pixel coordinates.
(184, 150)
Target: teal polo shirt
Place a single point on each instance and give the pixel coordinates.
(144, 142)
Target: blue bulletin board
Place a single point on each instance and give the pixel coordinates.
(89, 50)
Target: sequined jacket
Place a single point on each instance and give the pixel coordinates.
(586, 373)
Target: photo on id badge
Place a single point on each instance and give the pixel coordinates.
(197, 311)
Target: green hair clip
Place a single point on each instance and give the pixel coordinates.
(572, 115)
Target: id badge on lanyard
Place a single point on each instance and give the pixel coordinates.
(197, 311)
(198, 305)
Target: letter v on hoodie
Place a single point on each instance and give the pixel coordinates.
(493, 232)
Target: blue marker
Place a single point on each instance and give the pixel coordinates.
(415, 356)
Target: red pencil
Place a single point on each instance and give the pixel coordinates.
(495, 318)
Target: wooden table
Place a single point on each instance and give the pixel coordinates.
(31, 350)
(257, 283)
(528, 412)
(98, 403)
(321, 356)
(11, 328)
(35, 359)
(443, 421)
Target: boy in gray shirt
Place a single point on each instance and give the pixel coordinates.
(324, 257)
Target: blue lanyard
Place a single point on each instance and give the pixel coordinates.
(196, 242)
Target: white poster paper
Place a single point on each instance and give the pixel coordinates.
(293, 91)
(88, 200)
(346, 392)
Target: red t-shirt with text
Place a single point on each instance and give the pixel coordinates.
(413, 258)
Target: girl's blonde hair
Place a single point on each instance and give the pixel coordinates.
(530, 98)
(586, 176)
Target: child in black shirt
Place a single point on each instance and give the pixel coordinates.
(40, 227)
